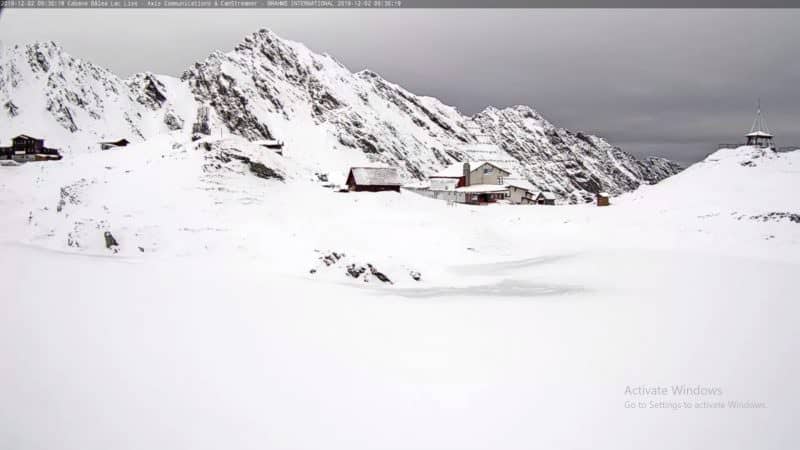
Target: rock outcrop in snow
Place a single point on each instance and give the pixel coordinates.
(329, 117)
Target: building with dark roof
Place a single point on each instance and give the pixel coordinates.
(373, 179)
(27, 148)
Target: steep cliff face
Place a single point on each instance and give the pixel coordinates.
(272, 88)
(329, 117)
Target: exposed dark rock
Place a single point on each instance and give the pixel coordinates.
(378, 274)
(13, 110)
(173, 122)
(263, 171)
(151, 91)
(62, 114)
(111, 243)
(201, 125)
(367, 146)
(37, 59)
(777, 216)
(259, 169)
(355, 271)
(331, 258)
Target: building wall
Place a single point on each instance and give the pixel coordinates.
(479, 198)
(374, 188)
(444, 184)
(448, 196)
(28, 145)
(486, 174)
(517, 195)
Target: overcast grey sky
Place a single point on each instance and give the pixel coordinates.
(668, 82)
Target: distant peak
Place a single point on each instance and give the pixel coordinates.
(516, 110)
(262, 36)
(265, 32)
(49, 45)
(523, 109)
(367, 73)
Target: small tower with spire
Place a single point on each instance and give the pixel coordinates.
(759, 135)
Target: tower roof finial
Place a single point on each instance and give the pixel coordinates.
(759, 123)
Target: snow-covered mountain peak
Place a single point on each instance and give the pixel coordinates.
(73, 103)
(330, 118)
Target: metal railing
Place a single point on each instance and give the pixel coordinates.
(721, 146)
(789, 148)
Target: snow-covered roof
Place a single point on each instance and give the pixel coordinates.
(376, 176)
(602, 194)
(443, 184)
(119, 142)
(451, 171)
(483, 188)
(477, 164)
(25, 136)
(272, 142)
(519, 183)
(457, 170)
(548, 195)
(759, 128)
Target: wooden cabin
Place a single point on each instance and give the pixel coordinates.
(109, 145)
(373, 179)
(27, 148)
(603, 199)
(545, 198)
(272, 144)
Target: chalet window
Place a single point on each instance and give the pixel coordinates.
(487, 170)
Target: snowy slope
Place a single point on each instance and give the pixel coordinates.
(227, 329)
(73, 104)
(329, 117)
(747, 180)
(574, 165)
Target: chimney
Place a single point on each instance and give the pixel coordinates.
(466, 173)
